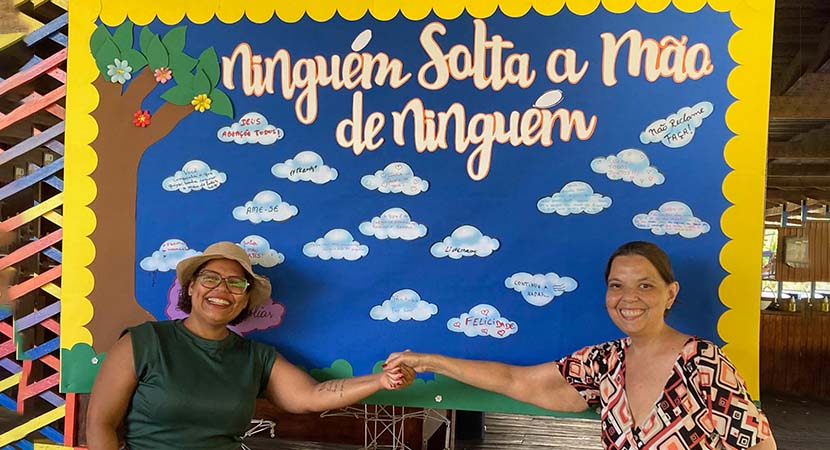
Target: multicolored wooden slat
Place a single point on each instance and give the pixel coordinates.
(30, 369)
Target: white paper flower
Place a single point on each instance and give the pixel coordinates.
(119, 72)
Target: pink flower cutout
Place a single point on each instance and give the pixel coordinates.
(163, 74)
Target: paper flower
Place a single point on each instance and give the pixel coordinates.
(200, 102)
(141, 118)
(120, 71)
(163, 74)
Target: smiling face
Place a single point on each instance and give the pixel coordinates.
(217, 306)
(637, 297)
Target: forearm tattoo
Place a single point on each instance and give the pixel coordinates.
(335, 386)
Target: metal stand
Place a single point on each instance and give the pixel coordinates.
(258, 426)
(381, 420)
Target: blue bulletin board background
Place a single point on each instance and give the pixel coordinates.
(537, 229)
(328, 302)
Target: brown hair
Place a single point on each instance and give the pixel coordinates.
(186, 303)
(648, 250)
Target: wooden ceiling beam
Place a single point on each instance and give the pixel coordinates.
(807, 60)
(777, 169)
(814, 146)
(776, 214)
(799, 4)
(798, 182)
(810, 84)
(792, 73)
(779, 196)
(804, 107)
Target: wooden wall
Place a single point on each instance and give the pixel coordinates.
(795, 353)
(338, 430)
(818, 268)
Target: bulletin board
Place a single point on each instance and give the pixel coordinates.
(442, 176)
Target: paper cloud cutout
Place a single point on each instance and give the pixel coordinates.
(678, 129)
(265, 207)
(405, 304)
(672, 218)
(483, 320)
(263, 317)
(575, 197)
(466, 240)
(630, 165)
(362, 40)
(336, 244)
(259, 250)
(394, 223)
(394, 179)
(305, 166)
(167, 256)
(252, 128)
(540, 289)
(194, 176)
(549, 99)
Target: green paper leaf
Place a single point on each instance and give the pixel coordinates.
(124, 36)
(185, 80)
(81, 364)
(106, 55)
(182, 61)
(136, 60)
(99, 36)
(182, 65)
(157, 54)
(209, 62)
(178, 95)
(174, 40)
(144, 39)
(221, 104)
(201, 84)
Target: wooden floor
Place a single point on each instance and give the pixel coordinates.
(502, 432)
(798, 424)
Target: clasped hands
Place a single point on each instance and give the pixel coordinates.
(400, 369)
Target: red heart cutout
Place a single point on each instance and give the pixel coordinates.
(501, 332)
(456, 324)
(484, 312)
(484, 331)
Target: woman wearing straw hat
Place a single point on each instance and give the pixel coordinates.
(192, 384)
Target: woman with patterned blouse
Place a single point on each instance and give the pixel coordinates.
(655, 389)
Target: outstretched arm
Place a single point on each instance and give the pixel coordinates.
(111, 393)
(540, 385)
(295, 391)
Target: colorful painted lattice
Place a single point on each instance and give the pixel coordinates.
(32, 128)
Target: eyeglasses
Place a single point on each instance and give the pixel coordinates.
(211, 279)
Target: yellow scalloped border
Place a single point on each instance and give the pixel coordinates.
(747, 117)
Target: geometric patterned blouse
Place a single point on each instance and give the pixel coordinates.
(704, 404)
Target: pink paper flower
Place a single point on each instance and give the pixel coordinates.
(163, 74)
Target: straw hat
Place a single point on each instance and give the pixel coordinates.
(260, 290)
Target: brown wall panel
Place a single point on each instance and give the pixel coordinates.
(818, 268)
(795, 353)
(340, 430)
